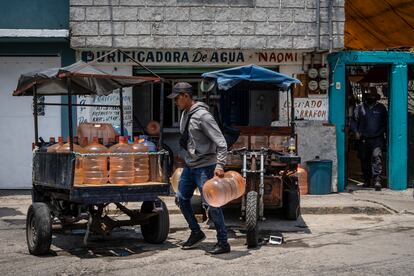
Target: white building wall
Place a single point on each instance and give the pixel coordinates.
(16, 121)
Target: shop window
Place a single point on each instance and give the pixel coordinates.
(232, 107)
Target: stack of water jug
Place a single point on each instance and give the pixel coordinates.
(121, 169)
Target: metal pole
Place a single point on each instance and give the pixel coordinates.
(318, 24)
(68, 83)
(73, 104)
(161, 140)
(244, 171)
(36, 125)
(330, 5)
(261, 185)
(292, 110)
(121, 110)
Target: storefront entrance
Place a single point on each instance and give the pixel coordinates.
(398, 146)
(359, 79)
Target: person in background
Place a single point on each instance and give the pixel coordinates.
(205, 156)
(369, 125)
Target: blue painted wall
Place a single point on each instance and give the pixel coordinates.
(397, 147)
(34, 14)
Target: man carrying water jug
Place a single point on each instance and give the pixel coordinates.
(205, 156)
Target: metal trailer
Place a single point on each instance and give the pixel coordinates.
(56, 199)
(258, 163)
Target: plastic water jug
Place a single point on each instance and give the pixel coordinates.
(258, 142)
(219, 191)
(142, 169)
(52, 141)
(278, 143)
(95, 167)
(121, 168)
(79, 174)
(302, 175)
(175, 180)
(100, 130)
(54, 147)
(155, 168)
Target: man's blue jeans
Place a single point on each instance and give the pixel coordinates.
(195, 178)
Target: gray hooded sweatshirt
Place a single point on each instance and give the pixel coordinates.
(206, 144)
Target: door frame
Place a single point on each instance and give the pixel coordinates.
(397, 136)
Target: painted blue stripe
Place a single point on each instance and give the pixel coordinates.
(337, 116)
(397, 141)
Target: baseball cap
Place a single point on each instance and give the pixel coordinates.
(180, 87)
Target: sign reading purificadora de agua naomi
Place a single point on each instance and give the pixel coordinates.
(194, 57)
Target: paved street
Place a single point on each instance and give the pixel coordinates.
(331, 244)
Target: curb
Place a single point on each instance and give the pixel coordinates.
(349, 210)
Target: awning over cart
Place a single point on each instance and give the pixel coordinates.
(228, 78)
(85, 80)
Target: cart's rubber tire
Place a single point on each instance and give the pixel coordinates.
(156, 231)
(39, 229)
(252, 226)
(291, 200)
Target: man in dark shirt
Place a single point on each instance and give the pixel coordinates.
(369, 124)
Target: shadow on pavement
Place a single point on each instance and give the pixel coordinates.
(9, 212)
(4, 192)
(122, 243)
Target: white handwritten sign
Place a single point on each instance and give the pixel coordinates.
(313, 109)
(106, 114)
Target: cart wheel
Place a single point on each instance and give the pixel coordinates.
(158, 226)
(39, 228)
(291, 200)
(251, 219)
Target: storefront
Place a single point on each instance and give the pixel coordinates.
(400, 113)
(260, 107)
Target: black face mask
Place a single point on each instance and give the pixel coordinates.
(371, 100)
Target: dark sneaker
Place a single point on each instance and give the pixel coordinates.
(194, 239)
(220, 248)
(377, 186)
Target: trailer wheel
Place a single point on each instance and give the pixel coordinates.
(156, 230)
(291, 199)
(39, 229)
(252, 227)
